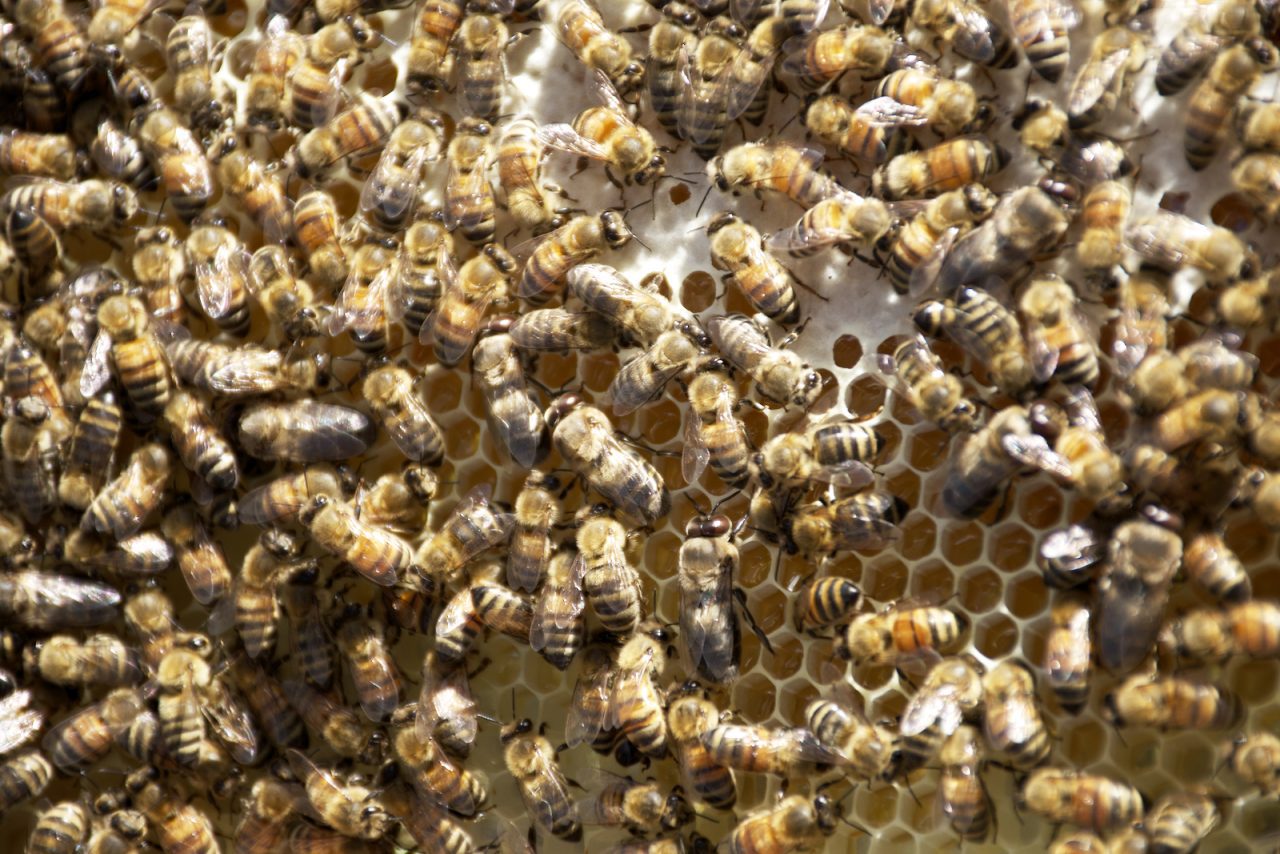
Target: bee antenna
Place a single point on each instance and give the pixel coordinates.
(698, 212)
(696, 505)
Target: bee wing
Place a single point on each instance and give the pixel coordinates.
(695, 455)
(1131, 343)
(360, 313)
(851, 474)
(402, 430)
(425, 713)
(711, 612)
(628, 683)
(447, 270)
(565, 138)
(214, 285)
(452, 701)
(802, 238)
(746, 12)
(469, 190)
(232, 723)
(608, 95)
(1089, 87)
(18, 724)
(1061, 661)
(890, 112)
(468, 63)
(560, 605)
(392, 187)
(751, 344)
(96, 372)
(880, 10)
(592, 691)
(1039, 21)
(976, 36)
(1044, 356)
(1082, 409)
(456, 613)
(628, 395)
(749, 74)
(937, 704)
(1034, 451)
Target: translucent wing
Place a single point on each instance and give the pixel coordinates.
(890, 112)
(96, 372)
(1096, 79)
(447, 270)
(232, 723)
(746, 12)
(709, 614)
(565, 138)
(589, 709)
(803, 237)
(453, 702)
(361, 307)
(1035, 452)
(695, 455)
(976, 36)
(392, 188)
(628, 685)
(850, 474)
(215, 279)
(470, 67)
(608, 95)
(750, 71)
(468, 190)
(403, 431)
(560, 605)
(1044, 355)
(635, 385)
(880, 10)
(740, 340)
(18, 724)
(933, 705)
(457, 613)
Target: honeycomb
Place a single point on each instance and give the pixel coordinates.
(983, 567)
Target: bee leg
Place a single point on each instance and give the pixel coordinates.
(741, 596)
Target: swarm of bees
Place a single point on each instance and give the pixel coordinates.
(257, 596)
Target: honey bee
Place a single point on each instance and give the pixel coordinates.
(825, 602)
(190, 54)
(26, 374)
(159, 264)
(847, 220)
(915, 249)
(340, 728)
(100, 659)
(1179, 820)
(610, 583)
(23, 777)
(1258, 126)
(642, 808)
(482, 280)
(870, 751)
(584, 438)
(57, 207)
(1256, 760)
(264, 826)
(446, 710)
(921, 97)
(308, 635)
(780, 375)
(1068, 654)
(184, 679)
(315, 226)
(1104, 213)
(936, 394)
(589, 717)
(200, 445)
(705, 78)
(779, 166)
(376, 553)
(946, 166)
(403, 414)
(1202, 635)
(351, 809)
(836, 452)
(434, 775)
(469, 198)
(713, 434)
(968, 29)
(670, 41)
(220, 264)
(372, 671)
(178, 826)
(607, 133)
(87, 735)
(362, 307)
(537, 510)
(950, 693)
(1233, 73)
(558, 330)
(708, 623)
(430, 59)
(964, 798)
(124, 503)
(120, 156)
(457, 628)
(689, 717)
(520, 176)
(1254, 628)
(1193, 47)
(640, 313)
(266, 698)
(823, 56)
(256, 605)
(866, 520)
(478, 46)
(1115, 57)
(258, 192)
(475, 525)
(313, 85)
(185, 171)
(836, 121)
(1143, 557)
(513, 411)
(30, 454)
(501, 609)
(1214, 568)
(304, 431)
(574, 243)
(1254, 175)
(58, 45)
(1025, 223)
(1012, 717)
(1042, 29)
(390, 194)
(557, 631)
(737, 248)
(900, 632)
(288, 495)
(644, 377)
(363, 127)
(39, 154)
(531, 761)
(290, 303)
(636, 706)
(273, 61)
(1091, 801)
(1214, 363)
(1097, 472)
(424, 265)
(988, 332)
(1005, 446)
(1172, 703)
(795, 823)
(582, 30)
(747, 96)
(60, 829)
(1210, 416)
